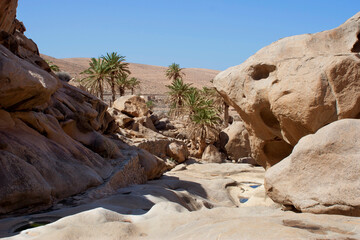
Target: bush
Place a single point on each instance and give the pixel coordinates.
(63, 76)
(150, 104)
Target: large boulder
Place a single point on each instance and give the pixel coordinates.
(122, 120)
(144, 121)
(178, 151)
(22, 85)
(154, 166)
(212, 154)
(295, 86)
(234, 140)
(322, 173)
(132, 105)
(41, 163)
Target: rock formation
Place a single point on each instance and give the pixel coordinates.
(321, 175)
(234, 141)
(55, 139)
(140, 132)
(177, 151)
(197, 201)
(133, 106)
(212, 154)
(295, 86)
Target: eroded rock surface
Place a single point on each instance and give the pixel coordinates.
(234, 140)
(197, 201)
(23, 85)
(295, 86)
(322, 173)
(55, 139)
(132, 105)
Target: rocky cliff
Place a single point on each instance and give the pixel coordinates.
(295, 86)
(55, 140)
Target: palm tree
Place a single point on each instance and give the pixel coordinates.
(96, 74)
(219, 102)
(203, 127)
(178, 90)
(122, 82)
(193, 100)
(203, 118)
(117, 67)
(174, 72)
(53, 66)
(133, 83)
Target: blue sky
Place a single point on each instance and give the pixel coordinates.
(194, 33)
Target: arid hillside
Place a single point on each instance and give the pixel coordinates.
(152, 78)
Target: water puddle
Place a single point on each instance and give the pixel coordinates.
(243, 200)
(33, 223)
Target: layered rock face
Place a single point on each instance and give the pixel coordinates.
(321, 175)
(294, 87)
(8, 15)
(53, 141)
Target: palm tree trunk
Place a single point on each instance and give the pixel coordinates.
(122, 91)
(113, 91)
(101, 90)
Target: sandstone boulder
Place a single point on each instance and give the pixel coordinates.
(122, 120)
(23, 86)
(154, 166)
(158, 145)
(132, 105)
(60, 166)
(295, 86)
(144, 121)
(234, 140)
(32, 190)
(322, 173)
(177, 151)
(212, 154)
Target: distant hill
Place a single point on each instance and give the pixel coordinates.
(152, 78)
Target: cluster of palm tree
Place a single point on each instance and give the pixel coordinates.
(110, 69)
(177, 88)
(201, 108)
